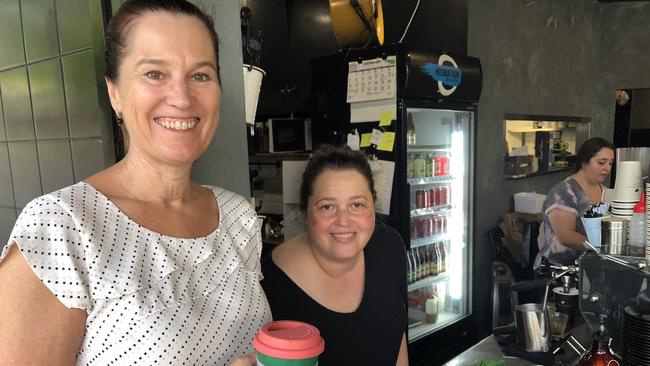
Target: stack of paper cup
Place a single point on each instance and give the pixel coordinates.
(628, 187)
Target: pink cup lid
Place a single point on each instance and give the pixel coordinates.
(289, 339)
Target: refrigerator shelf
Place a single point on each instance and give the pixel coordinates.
(423, 329)
(427, 148)
(430, 180)
(430, 210)
(429, 240)
(427, 281)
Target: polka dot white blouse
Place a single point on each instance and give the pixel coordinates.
(151, 299)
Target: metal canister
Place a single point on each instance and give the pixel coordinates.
(614, 235)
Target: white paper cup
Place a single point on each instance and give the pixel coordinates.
(252, 83)
(629, 182)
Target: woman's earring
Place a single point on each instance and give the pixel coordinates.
(120, 121)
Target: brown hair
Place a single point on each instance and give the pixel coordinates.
(589, 149)
(120, 24)
(335, 158)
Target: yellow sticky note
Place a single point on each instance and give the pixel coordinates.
(365, 139)
(386, 118)
(387, 141)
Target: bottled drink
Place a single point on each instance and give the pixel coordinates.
(426, 259)
(430, 165)
(431, 310)
(409, 268)
(415, 272)
(434, 260)
(425, 262)
(410, 130)
(442, 262)
(418, 266)
(410, 166)
(420, 166)
(599, 353)
(636, 237)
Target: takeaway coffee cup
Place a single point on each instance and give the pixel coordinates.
(288, 343)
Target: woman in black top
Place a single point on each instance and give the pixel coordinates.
(345, 275)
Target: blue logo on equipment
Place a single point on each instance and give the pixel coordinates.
(448, 75)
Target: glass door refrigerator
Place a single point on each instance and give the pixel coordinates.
(430, 119)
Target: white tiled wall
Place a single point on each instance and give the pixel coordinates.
(50, 120)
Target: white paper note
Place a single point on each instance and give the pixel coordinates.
(376, 136)
(353, 140)
(382, 174)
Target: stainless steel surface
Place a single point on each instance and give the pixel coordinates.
(48, 101)
(7, 190)
(87, 157)
(617, 283)
(487, 349)
(11, 35)
(39, 29)
(533, 327)
(74, 24)
(56, 164)
(614, 249)
(81, 94)
(24, 172)
(16, 105)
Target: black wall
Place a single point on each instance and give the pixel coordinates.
(295, 31)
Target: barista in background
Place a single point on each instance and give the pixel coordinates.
(562, 235)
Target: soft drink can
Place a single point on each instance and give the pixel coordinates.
(414, 228)
(437, 166)
(430, 226)
(420, 198)
(431, 195)
(443, 196)
(445, 222)
(438, 225)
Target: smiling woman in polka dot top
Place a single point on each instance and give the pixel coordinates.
(138, 265)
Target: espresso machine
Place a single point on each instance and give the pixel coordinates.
(614, 294)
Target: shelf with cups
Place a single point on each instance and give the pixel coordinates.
(427, 281)
(430, 180)
(425, 211)
(429, 239)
